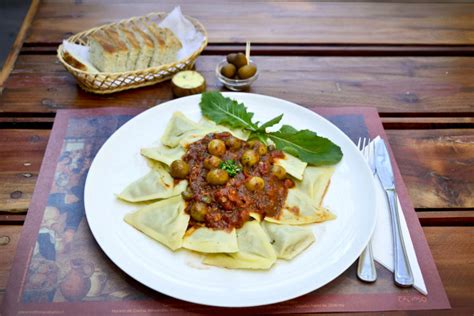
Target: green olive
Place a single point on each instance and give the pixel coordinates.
(206, 199)
(233, 143)
(251, 143)
(255, 184)
(216, 147)
(228, 71)
(212, 162)
(231, 58)
(249, 158)
(187, 194)
(179, 169)
(257, 145)
(199, 211)
(279, 172)
(240, 60)
(261, 149)
(217, 176)
(247, 71)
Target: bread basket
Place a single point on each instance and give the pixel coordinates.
(104, 82)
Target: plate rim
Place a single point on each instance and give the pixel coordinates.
(270, 300)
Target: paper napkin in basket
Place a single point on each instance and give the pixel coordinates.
(382, 241)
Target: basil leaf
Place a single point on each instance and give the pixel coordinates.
(226, 111)
(270, 123)
(306, 145)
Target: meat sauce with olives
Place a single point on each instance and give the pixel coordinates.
(230, 178)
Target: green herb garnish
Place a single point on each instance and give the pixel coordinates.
(304, 144)
(231, 167)
(226, 111)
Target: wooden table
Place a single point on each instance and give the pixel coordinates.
(414, 62)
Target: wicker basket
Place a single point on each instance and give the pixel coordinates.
(105, 82)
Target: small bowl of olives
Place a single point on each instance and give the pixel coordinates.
(235, 73)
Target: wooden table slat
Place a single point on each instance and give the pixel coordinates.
(273, 21)
(398, 86)
(21, 154)
(436, 165)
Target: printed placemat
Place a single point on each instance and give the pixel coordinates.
(60, 269)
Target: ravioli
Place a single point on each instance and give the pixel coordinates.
(212, 228)
(255, 250)
(163, 154)
(164, 221)
(181, 131)
(178, 128)
(157, 184)
(315, 182)
(287, 240)
(300, 209)
(292, 165)
(209, 240)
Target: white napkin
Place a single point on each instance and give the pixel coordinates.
(185, 31)
(382, 241)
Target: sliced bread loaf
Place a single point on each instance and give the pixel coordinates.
(147, 47)
(173, 45)
(121, 49)
(102, 52)
(132, 44)
(166, 45)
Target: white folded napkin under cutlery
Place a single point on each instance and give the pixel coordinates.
(382, 242)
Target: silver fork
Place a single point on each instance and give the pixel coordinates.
(366, 266)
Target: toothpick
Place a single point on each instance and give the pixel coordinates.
(247, 52)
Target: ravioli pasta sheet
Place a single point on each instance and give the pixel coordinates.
(208, 240)
(157, 184)
(292, 165)
(164, 221)
(300, 209)
(288, 240)
(255, 250)
(260, 241)
(163, 153)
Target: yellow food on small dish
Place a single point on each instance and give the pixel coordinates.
(188, 82)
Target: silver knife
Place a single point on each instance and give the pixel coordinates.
(402, 271)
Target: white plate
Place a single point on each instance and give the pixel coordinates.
(180, 274)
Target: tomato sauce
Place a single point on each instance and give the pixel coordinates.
(229, 205)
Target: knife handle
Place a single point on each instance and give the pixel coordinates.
(402, 271)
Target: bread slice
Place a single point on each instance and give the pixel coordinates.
(147, 47)
(120, 48)
(166, 45)
(133, 46)
(102, 52)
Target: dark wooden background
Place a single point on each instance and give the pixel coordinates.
(414, 62)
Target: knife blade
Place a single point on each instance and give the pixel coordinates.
(383, 166)
(402, 273)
